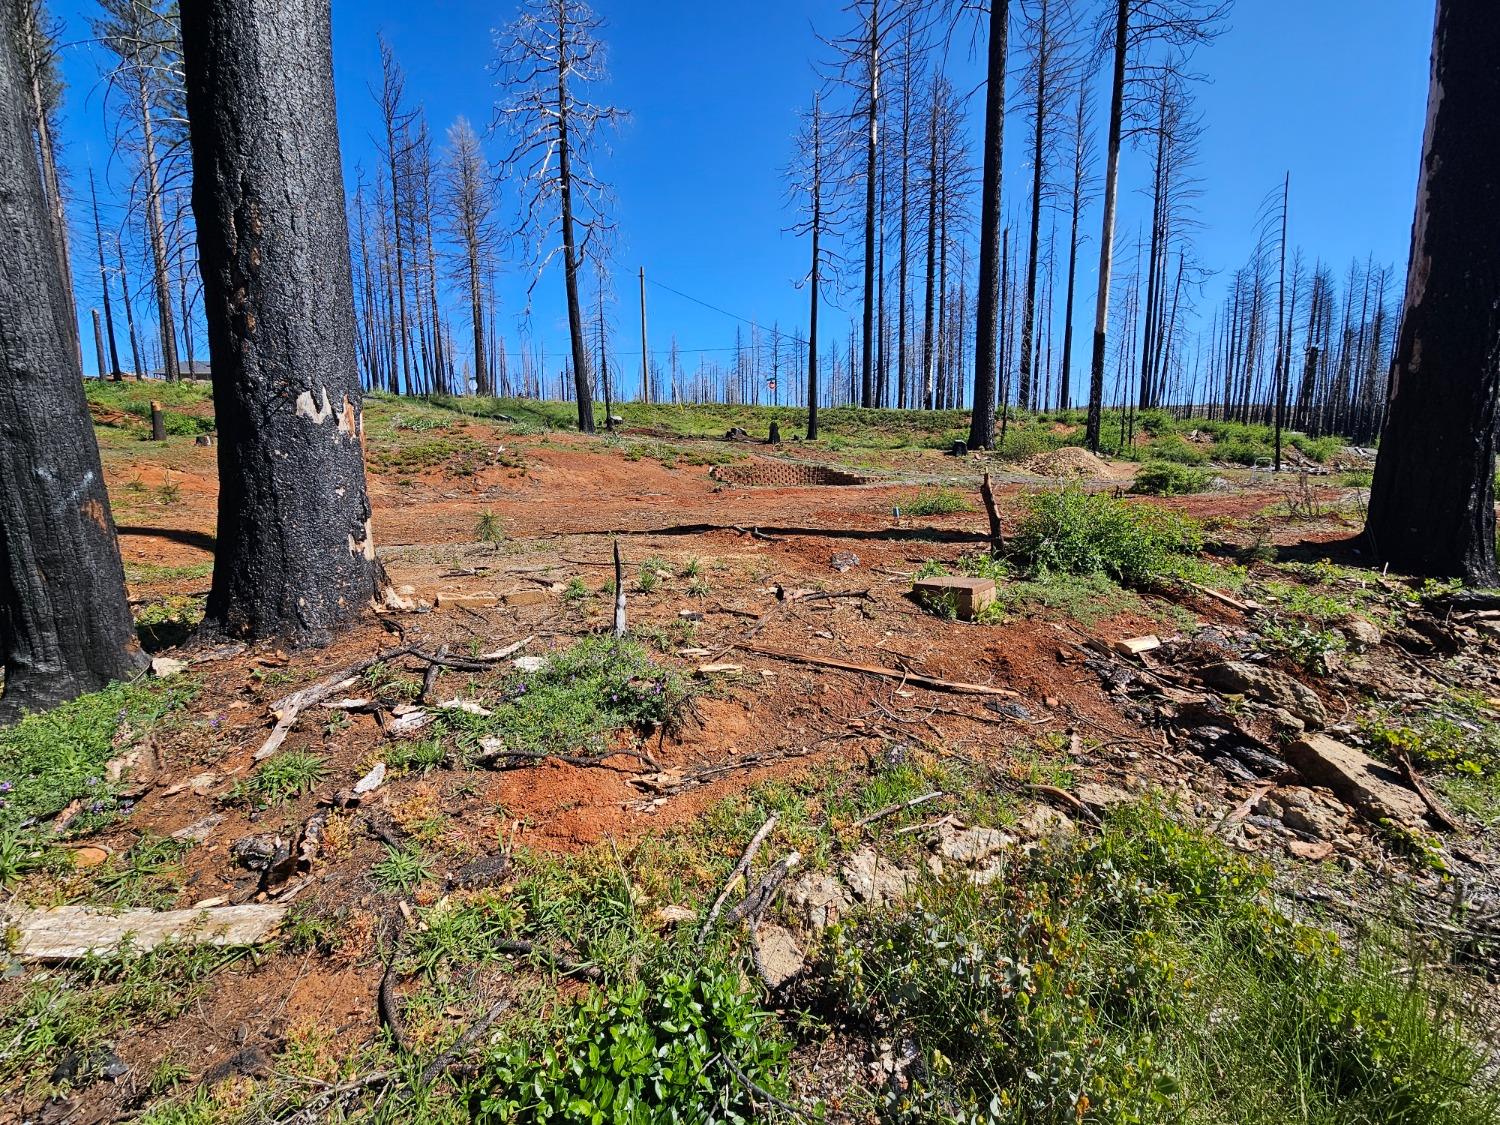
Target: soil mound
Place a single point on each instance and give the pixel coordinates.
(1070, 461)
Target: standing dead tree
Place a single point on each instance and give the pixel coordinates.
(146, 81)
(1144, 37)
(1432, 505)
(65, 627)
(467, 207)
(549, 57)
(296, 552)
(987, 313)
(811, 185)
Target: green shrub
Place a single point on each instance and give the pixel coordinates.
(1171, 447)
(1241, 451)
(681, 1047)
(1163, 478)
(1077, 532)
(1315, 449)
(936, 502)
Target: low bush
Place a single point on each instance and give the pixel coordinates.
(690, 1046)
(936, 502)
(1172, 447)
(1077, 532)
(1144, 975)
(1163, 478)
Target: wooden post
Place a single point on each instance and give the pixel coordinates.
(99, 343)
(158, 423)
(997, 531)
(619, 592)
(645, 356)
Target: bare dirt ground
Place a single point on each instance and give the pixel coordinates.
(724, 560)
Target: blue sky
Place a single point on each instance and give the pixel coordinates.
(1332, 90)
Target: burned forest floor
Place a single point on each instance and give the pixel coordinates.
(1193, 822)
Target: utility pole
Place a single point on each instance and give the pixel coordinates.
(645, 356)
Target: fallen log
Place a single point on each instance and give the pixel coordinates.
(67, 933)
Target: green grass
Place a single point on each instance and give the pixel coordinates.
(50, 760)
(401, 869)
(1167, 478)
(1071, 531)
(936, 502)
(1085, 598)
(578, 701)
(1141, 976)
(283, 777)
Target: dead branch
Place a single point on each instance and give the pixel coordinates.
(929, 682)
(438, 1066)
(1242, 810)
(898, 807)
(1434, 806)
(497, 756)
(760, 896)
(430, 677)
(1066, 798)
(290, 707)
(741, 871)
(567, 966)
(619, 592)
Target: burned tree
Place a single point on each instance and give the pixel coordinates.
(144, 37)
(296, 555)
(65, 627)
(809, 184)
(1432, 505)
(987, 312)
(549, 57)
(468, 207)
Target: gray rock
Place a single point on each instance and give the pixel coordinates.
(1370, 786)
(875, 881)
(1044, 820)
(970, 846)
(1100, 797)
(780, 955)
(819, 899)
(1362, 634)
(1238, 677)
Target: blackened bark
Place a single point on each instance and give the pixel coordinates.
(65, 627)
(987, 311)
(296, 555)
(872, 151)
(1432, 505)
(1107, 234)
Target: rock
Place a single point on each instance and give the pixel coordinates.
(1238, 677)
(1100, 797)
(670, 917)
(874, 880)
(1362, 634)
(78, 1067)
(1369, 786)
(371, 781)
(88, 855)
(67, 933)
(970, 846)
(199, 830)
(261, 853)
(819, 899)
(529, 664)
(1044, 820)
(844, 560)
(780, 956)
(959, 449)
(1010, 709)
(164, 666)
(1313, 852)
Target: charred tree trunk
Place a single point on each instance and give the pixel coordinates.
(1107, 234)
(987, 312)
(296, 555)
(1432, 505)
(65, 626)
(109, 316)
(872, 151)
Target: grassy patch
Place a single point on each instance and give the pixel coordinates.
(50, 760)
(165, 622)
(579, 700)
(936, 502)
(1166, 478)
(1145, 976)
(282, 777)
(1070, 531)
(1085, 598)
